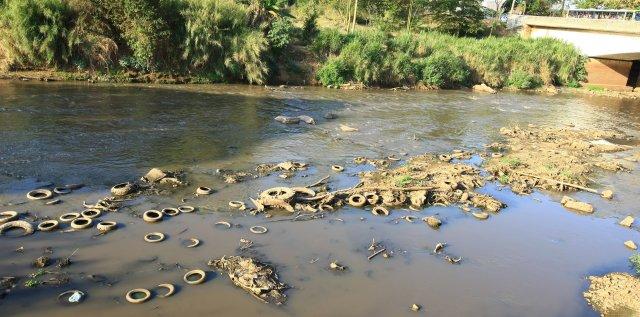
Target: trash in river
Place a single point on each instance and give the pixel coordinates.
(106, 226)
(81, 223)
(608, 194)
(138, 295)
(432, 221)
(631, 245)
(39, 194)
(68, 217)
(171, 212)
(7, 283)
(154, 237)
(152, 216)
(193, 243)
(255, 277)
(336, 266)
(258, 229)
(415, 307)
(439, 247)
(26, 227)
(202, 190)
(549, 158)
(480, 215)
(123, 189)
(224, 223)
(42, 261)
(170, 290)
(194, 277)
(7, 216)
(571, 203)
(71, 297)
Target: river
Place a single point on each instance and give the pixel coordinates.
(532, 259)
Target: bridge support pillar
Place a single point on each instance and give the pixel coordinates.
(611, 74)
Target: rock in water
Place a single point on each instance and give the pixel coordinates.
(571, 203)
(484, 88)
(433, 222)
(287, 120)
(627, 221)
(608, 194)
(307, 119)
(631, 245)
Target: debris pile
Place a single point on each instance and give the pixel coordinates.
(615, 294)
(255, 277)
(552, 158)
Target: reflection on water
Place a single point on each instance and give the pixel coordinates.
(530, 260)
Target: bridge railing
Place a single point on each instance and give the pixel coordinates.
(632, 15)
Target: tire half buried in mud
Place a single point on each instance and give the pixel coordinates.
(138, 296)
(186, 209)
(39, 194)
(17, 224)
(152, 216)
(357, 200)
(69, 217)
(170, 290)
(91, 213)
(81, 223)
(106, 226)
(7, 216)
(380, 211)
(48, 225)
(200, 274)
(171, 212)
(154, 237)
(122, 189)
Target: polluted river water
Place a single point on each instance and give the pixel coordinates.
(530, 259)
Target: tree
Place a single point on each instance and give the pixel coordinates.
(460, 17)
(609, 4)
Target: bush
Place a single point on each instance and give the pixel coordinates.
(635, 262)
(523, 80)
(281, 33)
(333, 72)
(328, 42)
(445, 70)
(37, 32)
(218, 41)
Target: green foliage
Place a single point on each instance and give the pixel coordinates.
(460, 17)
(404, 180)
(218, 41)
(523, 80)
(635, 262)
(333, 72)
(328, 42)
(609, 4)
(445, 70)
(281, 33)
(513, 162)
(37, 32)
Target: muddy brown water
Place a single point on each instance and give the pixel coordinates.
(529, 260)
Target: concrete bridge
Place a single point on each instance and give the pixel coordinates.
(613, 46)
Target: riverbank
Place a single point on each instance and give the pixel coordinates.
(169, 79)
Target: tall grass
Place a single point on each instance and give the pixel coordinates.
(427, 57)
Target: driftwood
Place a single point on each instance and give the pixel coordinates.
(587, 189)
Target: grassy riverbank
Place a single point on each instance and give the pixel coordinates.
(213, 41)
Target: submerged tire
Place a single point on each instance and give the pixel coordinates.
(337, 168)
(154, 237)
(132, 298)
(282, 193)
(69, 217)
(202, 190)
(106, 226)
(171, 212)
(91, 213)
(152, 216)
(201, 276)
(39, 194)
(186, 209)
(170, 290)
(20, 224)
(81, 223)
(122, 189)
(48, 225)
(62, 190)
(7, 216)
(380, 211)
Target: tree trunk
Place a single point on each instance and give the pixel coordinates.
(349, 16)
(409, 15)
(355, 13)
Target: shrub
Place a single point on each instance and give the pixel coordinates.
(333, 72)
(328, 42)
(524, 80)
(281, 33)
(635, 262)
(219, 42)
(445, 70)
(36, 32)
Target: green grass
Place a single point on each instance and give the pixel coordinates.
(635, 262)
(593, 88)
(404, 180)
(513, 162)
(504, 179)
